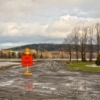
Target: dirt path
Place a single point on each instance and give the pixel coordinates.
(50, 81)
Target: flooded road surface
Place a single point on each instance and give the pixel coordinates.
(50, 81)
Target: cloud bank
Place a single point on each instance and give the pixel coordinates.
(36, 21)
(58, 29)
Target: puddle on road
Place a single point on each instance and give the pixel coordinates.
(28, 84)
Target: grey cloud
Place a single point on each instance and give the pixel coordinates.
(57, 29)
(21, 8)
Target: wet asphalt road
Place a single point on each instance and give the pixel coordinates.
(50, 81)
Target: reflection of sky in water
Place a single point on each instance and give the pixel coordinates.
(92, 65)
(8, 63)
(6, 83)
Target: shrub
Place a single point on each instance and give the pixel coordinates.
(98, 60)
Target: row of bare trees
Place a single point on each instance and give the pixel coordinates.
(83, 40)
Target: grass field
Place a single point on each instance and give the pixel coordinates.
(81, 66)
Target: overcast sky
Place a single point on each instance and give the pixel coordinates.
(43, 21)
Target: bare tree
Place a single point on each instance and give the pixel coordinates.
(75, 32)
(68, 45)
(83, 43)
(97, 27)
(90, 41)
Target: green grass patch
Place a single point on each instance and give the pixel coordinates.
(81, 66)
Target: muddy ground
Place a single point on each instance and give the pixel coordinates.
(51, 80)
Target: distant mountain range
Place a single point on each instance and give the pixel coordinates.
(48, 47)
